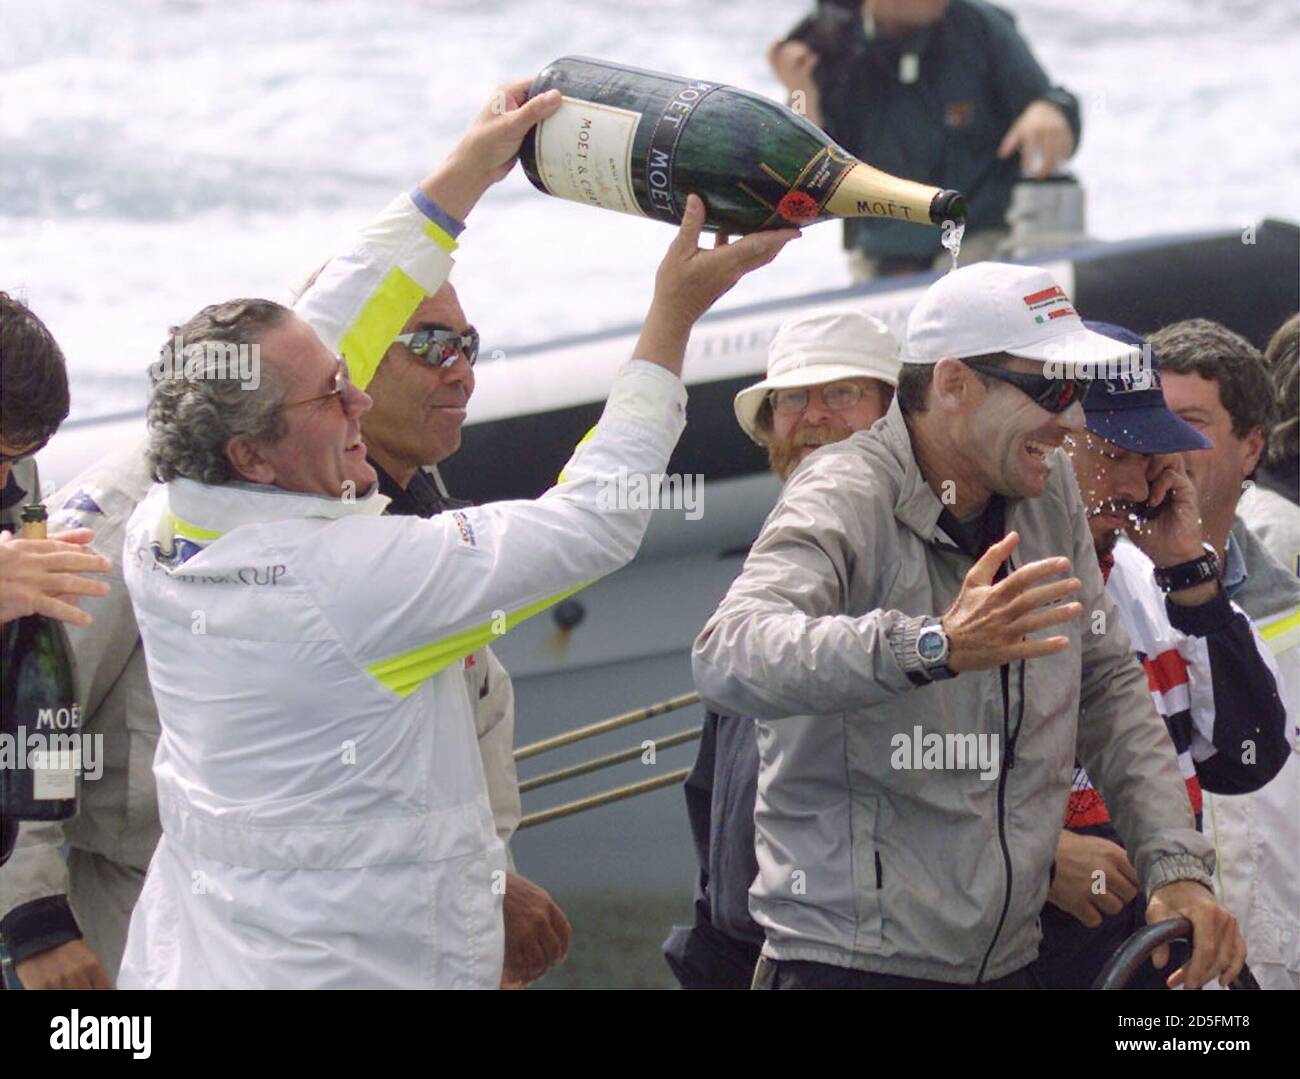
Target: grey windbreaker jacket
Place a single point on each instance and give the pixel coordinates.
(936, 874)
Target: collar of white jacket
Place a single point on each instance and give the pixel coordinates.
(217, 509)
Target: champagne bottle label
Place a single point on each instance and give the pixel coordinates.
(661, 158)
(54, 773)
(584, 153)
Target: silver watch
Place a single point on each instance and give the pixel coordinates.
(921, 646)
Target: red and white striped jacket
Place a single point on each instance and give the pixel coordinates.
(1212, 678)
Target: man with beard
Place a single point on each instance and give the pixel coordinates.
(1216, 381)
(923, 676)
(1211, 678)
(828, 375)
(420, 390)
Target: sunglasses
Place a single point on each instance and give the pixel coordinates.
(1052, 394)
(338, 388)
(440, 348)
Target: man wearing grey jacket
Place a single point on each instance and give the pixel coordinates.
(924, 675)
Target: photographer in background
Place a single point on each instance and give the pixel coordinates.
(945, 91)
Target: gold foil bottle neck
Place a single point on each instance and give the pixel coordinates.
(33, 524)
(868, 192)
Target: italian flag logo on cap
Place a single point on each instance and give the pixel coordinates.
(1048, 304)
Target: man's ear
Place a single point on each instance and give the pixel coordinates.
(952, 385)
(1252, 449)
(249, 464)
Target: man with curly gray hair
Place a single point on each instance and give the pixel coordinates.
(64, 917)
(196, 407)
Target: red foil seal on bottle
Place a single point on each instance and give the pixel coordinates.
(798, 207)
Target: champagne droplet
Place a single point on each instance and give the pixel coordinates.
(951, 238)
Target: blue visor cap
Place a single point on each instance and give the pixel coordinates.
(1129, 409)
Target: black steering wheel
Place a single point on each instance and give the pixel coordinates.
(1130, 955)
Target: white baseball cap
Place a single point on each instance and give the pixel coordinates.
(814, 349)
(994, 307)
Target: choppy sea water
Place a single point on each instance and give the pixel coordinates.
(157, 155)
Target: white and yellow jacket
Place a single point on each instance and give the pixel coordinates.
(325, 820)
(358, 304)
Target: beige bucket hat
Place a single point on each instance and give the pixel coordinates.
(817, 348)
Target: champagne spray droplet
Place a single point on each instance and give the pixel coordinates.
(951, 238)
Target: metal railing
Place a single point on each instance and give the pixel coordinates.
(604, 726)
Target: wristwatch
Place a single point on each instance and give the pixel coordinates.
(1187, 574)
(921, 646)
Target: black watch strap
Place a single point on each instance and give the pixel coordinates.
(1190, 573)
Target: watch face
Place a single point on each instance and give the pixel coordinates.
(931, 646)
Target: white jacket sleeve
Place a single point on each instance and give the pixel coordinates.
(409, 596)
(362, 298)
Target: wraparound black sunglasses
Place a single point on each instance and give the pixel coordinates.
(1052, 394)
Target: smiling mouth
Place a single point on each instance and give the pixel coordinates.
(1038, 449)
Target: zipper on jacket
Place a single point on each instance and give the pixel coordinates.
(1020, 722)
(1008, 762)
(1005, 675)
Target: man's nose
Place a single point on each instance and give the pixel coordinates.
(459, 373)
(816, 412)
(1130, 477)
(356, 402)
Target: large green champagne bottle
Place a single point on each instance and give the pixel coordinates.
(640, 142)
(40, 716)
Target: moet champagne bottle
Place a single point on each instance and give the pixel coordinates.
(640, 142)
(40, 716)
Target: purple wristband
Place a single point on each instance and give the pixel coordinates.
(435, 213)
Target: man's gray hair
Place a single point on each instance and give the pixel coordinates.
(196, 408)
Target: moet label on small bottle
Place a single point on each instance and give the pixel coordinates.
(584, 153)
(54, 773)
